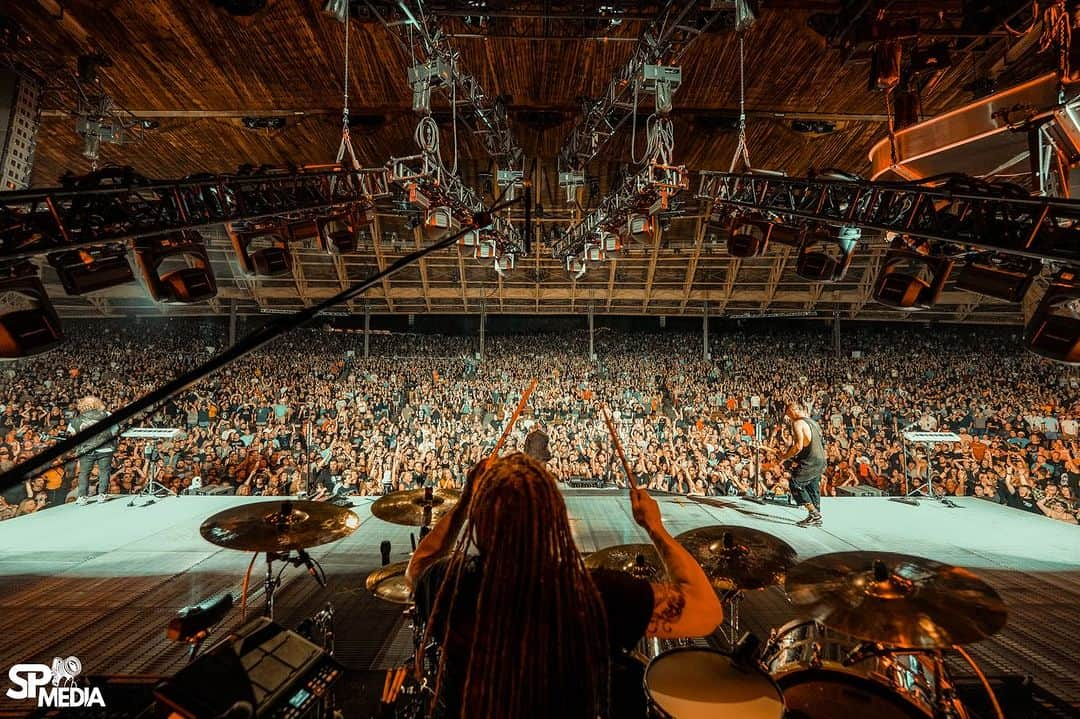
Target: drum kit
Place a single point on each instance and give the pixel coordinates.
(872, 642)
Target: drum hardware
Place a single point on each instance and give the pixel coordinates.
(193, 624)
(416, 507)
(898, 600)
(283, 531)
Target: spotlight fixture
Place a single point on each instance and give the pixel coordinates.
(29, 324)
(91, 269)
(338, 233)
(749, 236)
(439, 222)
(270, 260)
(911, 279)
(826, 252)
(576, 266)
(263, 123)
(1054, 329)
(193, 282)
(1005, 277)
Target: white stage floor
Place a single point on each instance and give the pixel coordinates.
(101, 581)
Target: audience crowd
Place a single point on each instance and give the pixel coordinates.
(310, 414)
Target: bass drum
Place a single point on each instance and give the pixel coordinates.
(700, 683)
(807, 661)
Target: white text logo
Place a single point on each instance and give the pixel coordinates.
(53, 686)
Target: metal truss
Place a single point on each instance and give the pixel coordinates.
(437, 66)
(663, 42)
(428, 185)
(959, 211)
(90, 212)
(648, 192)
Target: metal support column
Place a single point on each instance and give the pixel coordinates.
(705, 333)
(483, 323)
(232, 322)
(592, 347)
(367, 331)
(836, 334)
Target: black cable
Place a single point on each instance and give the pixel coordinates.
(251, 342)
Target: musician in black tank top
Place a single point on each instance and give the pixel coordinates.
(807, 453)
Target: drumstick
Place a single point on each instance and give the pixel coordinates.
(513, 419)
(618, 448)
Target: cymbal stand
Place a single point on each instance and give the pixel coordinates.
(729, 630)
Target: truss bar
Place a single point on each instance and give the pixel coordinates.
(968, 213)
(35, 222)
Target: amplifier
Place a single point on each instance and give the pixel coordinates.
(859, 490)
(275, 671)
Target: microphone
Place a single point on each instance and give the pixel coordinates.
(384, 550)
(192, 624)
(308, 562)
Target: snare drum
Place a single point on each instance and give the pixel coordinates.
(699, 683)
(807, 660)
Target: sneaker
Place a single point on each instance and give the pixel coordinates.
(82, 500)
(102, 498)
(812, 520)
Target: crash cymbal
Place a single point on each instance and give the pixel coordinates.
(279, 525)
(896, 599)
(389, 583)
(738, 557)
(408, 507)
(639, 560)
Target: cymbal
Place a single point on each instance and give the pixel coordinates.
(389, 583)
(408, 507)
(738, 557)
(896, 599)
(639, 560)
(279, 525)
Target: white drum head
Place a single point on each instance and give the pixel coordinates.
(703, 684)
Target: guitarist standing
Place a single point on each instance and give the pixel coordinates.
(807, 452)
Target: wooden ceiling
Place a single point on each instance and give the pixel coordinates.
(198, 70)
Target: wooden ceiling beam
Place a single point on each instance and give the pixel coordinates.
(376, 243)
(423, 268)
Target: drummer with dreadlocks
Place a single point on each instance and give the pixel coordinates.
(526, 631)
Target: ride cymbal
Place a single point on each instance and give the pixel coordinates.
(279, 525)
(739, 557)
(896, 599)
(409, 507)
(389, 583)
(639, 560)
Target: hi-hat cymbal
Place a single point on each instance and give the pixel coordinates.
(738, 557)
(639, 560)
(896, 599)
(409, 507)
(279, 525)
(389, 583)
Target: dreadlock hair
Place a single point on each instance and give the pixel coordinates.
(541, 632)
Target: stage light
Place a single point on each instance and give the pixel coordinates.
(91, 269)
(576, 266)
(185, 285)
(1054, 329)
(270, 261)
(1005, 277)
(440, 221)
(748, 237)
(640, 227)
(338, 234)
(825, 253)
(28, 323)
(909, 279)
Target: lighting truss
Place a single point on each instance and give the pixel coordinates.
(429, 186)
(648, 192)
(39, 221)
(437, 66)
(967, 212)
(662, 43)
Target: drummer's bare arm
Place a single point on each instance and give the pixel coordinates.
(800, 438)
(440, 540)
(686, 605)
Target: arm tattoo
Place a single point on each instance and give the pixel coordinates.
(668, 606)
